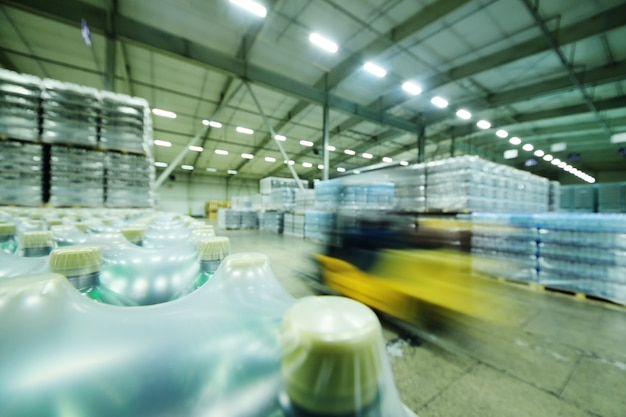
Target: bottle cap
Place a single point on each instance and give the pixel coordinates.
(214, 248)
(76, 260)
(331, 355)
(54, 222)
(7, 229)
(83, 227)
(133, 234)
(33, 240)
(245, 260)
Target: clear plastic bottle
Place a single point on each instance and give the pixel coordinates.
(211, 252)
(134, 235)
(37, 243)
(82, 265)
(8, 243)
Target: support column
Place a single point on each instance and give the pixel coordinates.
(325, 151)
(421, 144)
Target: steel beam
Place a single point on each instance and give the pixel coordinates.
(7, 62)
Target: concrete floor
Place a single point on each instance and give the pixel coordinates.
(559, 356)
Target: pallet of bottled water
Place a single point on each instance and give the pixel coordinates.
(19, 105)
(21, 173)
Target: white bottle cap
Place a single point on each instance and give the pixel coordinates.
(33, 240)
(73, 261)
(7, 229)
(214, 248)
(331, 355)
(133, 234)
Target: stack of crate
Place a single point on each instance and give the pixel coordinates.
(76, 177)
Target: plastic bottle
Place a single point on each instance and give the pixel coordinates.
(331, 359)
(211, 252)
(8, 243)
(82, 265)
(134, 235)
(37, 244)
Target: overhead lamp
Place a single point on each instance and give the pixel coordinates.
(232, 171)
(212, 123)
(163, 143)
(618, 138)
(247, 156)
(340, 169)
(307, 164)
(280, 138)
(539, 153)
(290, 162)
(412, 88)
(483, 124)
(349, 152)
(548, 157)
(440, 102)
(164, 113)
(160, 164)
(592, 180)
(562, 164)
(501, 133)
(251, 6)
(320, 166)
(322, 42)
(306, 143)
(221, 152)
(244, 130)
(187, 167)
(555, 161)
(404, 163)
(211, 170)
(387, 159)
(558, 147)
(464, 114)
(510, 154)
(515, 140)
(270, 159)
(567, 167)
(356, 172)
(196, 148)
(367, 155)
(528, 147)
(331, 148)
(374, 69)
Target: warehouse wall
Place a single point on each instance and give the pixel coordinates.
(188, 195)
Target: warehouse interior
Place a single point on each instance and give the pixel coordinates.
(240, 95)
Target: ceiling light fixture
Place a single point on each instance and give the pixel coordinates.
(232, 171)
(331, 148)
(307, 164)
(483, 124)
(349, 152)
(322, 42)
(502, 133)
(412, 88)
(539, 153)
(464, 114)
(356, 171)
(160, 164)
(404, 163)
(211, 170)
(306, 143)
(290, 162)
(555, 161)
(221, 152)
(212, 123)
(440, 102)
(270, 159)
(528, 147)
(244, 130)
(251, 6)
(340, 169)
(367, 155)
(374, 69)
(196, 148)
(320, 166)
(187, 167)
(163, 143)
(515, 140)
(387, 159)
(562, 164)
(280, 138)
(164, 113)
(510, 154)
(247, 156)
(548, 157)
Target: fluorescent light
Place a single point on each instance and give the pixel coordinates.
(232, 171)
(221, 152)
(164, 143)
(320, 166)
(307, 164)
(322, 42)
(558, 147)
(404, 163)
(374, 69)
(539, 153)
(211, 170)
(164, 113)
(270, 159)
(548, 157)
(592, 180)
(555, 161)
(412, 88)
(483, 124)
(562, 164)
(251, 6)
(280, 138)
(349, 152)
(212, 123)
(510, 154)
(502, 133)
(367, 155)
(306, 143)
(618, 138)
(356, 171)
(291, 162)
(340, 169)
(244, 130)
(464, 114)
(196, 148)
(160, 164)
(187, 167)
(331, 148)
(387, 159)
(440, 102)
(528, 147)
(515, 140)
(247, 156)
